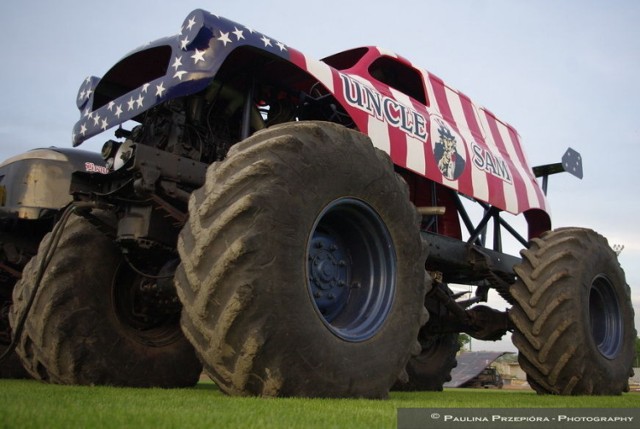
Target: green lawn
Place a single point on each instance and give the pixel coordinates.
(30, 404)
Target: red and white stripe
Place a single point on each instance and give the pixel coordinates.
(468, 121)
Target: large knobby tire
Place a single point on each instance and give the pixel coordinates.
(80, 329)
(431, 369)
(302, 266)
(573, 316)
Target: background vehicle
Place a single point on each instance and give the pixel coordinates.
(294, 203)
(489, 377)
(34, 188)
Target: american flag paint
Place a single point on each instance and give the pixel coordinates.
(435, 131)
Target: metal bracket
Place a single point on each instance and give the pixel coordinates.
(571, 163)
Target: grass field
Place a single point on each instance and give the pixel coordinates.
(31, 404)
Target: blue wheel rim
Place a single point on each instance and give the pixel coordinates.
(351, 269)
(605, 316)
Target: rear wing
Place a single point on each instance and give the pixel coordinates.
(571, 163)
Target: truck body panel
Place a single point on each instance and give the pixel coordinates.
(36, 182)
(426, 126)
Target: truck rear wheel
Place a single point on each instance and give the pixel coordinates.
(431, 369)
(302, 266)
(89, 323)
(573, 315)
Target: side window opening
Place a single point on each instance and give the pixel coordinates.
(399, 76)
(345, 60)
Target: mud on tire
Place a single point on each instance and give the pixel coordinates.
(75, 333)
(573, 315)
(302, 266)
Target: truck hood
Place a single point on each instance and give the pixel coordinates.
(167, 68)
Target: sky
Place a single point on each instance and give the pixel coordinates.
(564, 73)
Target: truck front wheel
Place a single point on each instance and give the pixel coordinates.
(302, 266)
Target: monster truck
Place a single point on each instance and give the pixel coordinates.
(308, 215)
(34, 188)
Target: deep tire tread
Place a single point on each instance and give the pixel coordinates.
(71, 337)
(552, 330)
(226, 312)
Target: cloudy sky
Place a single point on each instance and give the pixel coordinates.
(563, 72)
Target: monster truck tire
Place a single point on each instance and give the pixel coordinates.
(573, 316)
(431, 369)
(76, 332)
(302, 266)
